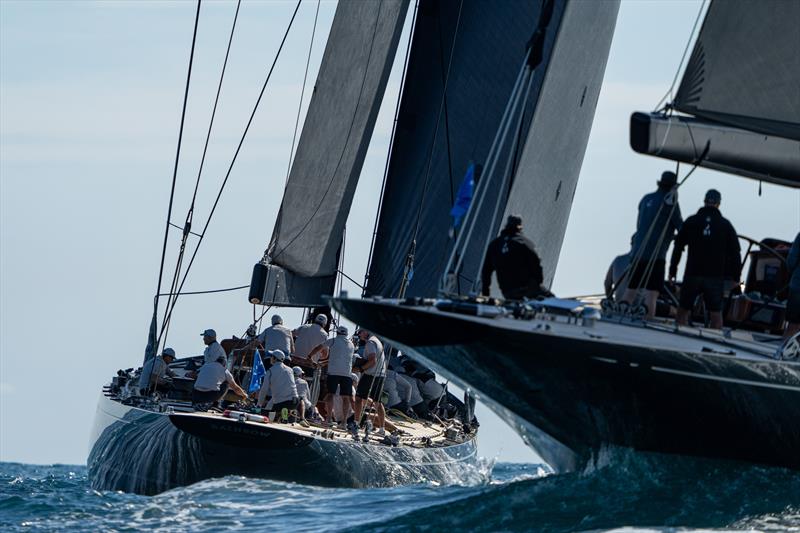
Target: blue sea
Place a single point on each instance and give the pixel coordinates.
(630, 492)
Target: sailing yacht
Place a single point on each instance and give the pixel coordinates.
(481, 78)
(577, 379)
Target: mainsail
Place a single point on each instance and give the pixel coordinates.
(301, 261)
(742, 88)
(465, 58)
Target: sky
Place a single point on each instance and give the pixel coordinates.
(90, 102)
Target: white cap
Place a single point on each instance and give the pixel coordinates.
(342, 330)
(321, 320)
(209, 333)
(277, 354)
(354, 377)
(277, 319)
(297, 371)
(168, 351)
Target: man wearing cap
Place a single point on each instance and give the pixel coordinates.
(658, 220)
(713, 246)
(212, 382)
(512, 256)
(340, 352)
(213, 349)
(370, 386)
(304, 404)
(310, 336)
(279, 384)
(156, 372)
(277, 337)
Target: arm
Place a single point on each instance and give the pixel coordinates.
(235, 386)
(265, 390)
(793, 260)
(608, 283)
(677, 251)
(734, 252)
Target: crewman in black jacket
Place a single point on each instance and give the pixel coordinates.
(511, 255)
(713, 252)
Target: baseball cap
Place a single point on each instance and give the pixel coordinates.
(168, 351)
(209, 333)
(321, 320)
(713, 196)
(513, 221)
(342, 330)
(277, 354)
(668, 178)
(277, 319)
(297, 371)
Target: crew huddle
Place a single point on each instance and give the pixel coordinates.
(360, 384)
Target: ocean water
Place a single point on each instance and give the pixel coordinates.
(627, 492)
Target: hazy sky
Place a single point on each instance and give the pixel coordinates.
(90, 97)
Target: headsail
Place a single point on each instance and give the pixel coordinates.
(488, 42)
(301, 260)
(741, 85)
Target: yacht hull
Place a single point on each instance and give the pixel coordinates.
(571, 397)
(145, 452)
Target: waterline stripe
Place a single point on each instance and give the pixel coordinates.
(727, 380)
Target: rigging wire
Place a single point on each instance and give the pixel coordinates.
(389, 151)
(344, 147)
(233, 161)
(668, 94)
(190, 214)
(302, 94)
(175, 169)
(210, 291)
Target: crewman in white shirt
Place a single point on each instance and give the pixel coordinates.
(310, 336)
(212, 382)
(213, 349)
(277, 337)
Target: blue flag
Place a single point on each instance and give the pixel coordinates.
(257, 374)
(464, 196)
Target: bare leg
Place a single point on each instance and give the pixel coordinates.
(629, 296)
(329, 407)
(715, 319)
(301, 409)
(359, 408)
(683, 317)
(381, 416)
(650, 299)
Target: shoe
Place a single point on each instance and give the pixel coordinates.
(304, 423)
(381, 432)
(284, 415)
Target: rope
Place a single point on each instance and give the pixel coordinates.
(683, 57)
(389, 153)
(344, 146)
(233, 161)
(175, 169)
(208, 291)
(302, 93)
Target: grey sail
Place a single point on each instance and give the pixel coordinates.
(302, 258)
(741, 88)
(432, 151)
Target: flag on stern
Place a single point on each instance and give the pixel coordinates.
(258, 373)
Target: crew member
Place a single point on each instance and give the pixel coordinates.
(277, 337)
(212, 382)
(713, 246)
(340, 367)
(793, 304)
(213, 349)
(370, 386)
(512, 256)
(279, 385)
(310, 336)
(156, 372)
(615, 283)
(304, 404)
(659, 218)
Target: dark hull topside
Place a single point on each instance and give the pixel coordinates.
(571, 397)
(145, 452)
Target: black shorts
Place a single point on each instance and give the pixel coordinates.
(288, 404)
(710, 288)
(344, 383)
(793, 307)
(369, 387)
(209, 396)
(653, 283)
